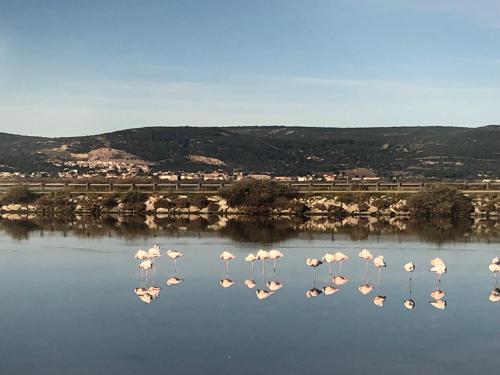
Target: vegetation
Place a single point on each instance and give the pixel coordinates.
(439, 201)
(281, 150)
(19, 194)
(256, 195)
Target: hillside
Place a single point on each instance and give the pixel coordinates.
(424, 151)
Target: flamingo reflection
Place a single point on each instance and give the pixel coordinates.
(263, 294)
(440, 304)
(250, 283)
(174, 280)
(328, 290)
(340, 280)
(495, 295)
(365, 289)
(409, 304)
(226, 283)
(274, 285)
(379, 300)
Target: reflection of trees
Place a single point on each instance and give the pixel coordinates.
(441, 230)
(264, 230)
(250, 228)
(19, 229)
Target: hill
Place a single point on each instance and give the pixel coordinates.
(419, 151)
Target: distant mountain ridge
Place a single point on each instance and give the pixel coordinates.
(417, 151)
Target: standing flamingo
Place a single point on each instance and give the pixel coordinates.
(174, 254)
(495, 266)
(227, 256)
(438, 267)
(275, 255)
(141, 255)
(340, 257)
(328, 258)
(314, 263)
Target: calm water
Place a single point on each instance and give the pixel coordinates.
(68, 306)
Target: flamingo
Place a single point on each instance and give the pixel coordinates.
(328, 258)
(141, 255)
(154, 291)
(340, 280)
(365, 289)
(274, 286)
(263, 294)
(440, 304)
(146, 298)
(313, 293)
(174, 281)
(328, 290)
(438, 294)
(250, 283)
(275, 255)
(379, 262)
(409, 304)
(438, 267)
(226, 283)
(154, 252)
(409, 267)
(366, 255)
(174, 254)
(262, 255)
(494, 266)
(340, 257)
(251, 257)
(146, 266)
(227, 256)
(379, 301)
(314, 263)
(494, 295)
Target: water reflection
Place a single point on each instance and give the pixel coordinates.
(251, 229)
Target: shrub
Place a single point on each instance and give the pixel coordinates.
(363, 206)
(110, 202)
(182, 203)
(164, 203)
(256, 195)
(439, 201)
(199, 201)
(19, 194)
(320, 207)
(134, 197)
(381, 204)
(213, 207)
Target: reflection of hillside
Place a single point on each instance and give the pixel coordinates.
(249, 229)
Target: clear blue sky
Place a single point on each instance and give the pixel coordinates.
(79, 67)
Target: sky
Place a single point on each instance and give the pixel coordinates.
(83, 67)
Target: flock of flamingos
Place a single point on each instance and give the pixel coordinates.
(147, 294)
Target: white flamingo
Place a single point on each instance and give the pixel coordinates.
(227, 256)
(174, 255)
(494, 266)
(379, 301)
(328, 258)
(154, 252)
(250, 283)
(314, 263)
(438, 267)
(494, 295)
(409, 304)
(226, 283)
(367, 256)
(262, 255)
(141, 255)
(365, 289)
(263, 294)
(340, 280)
(145, 266)
(251, 258)
(340, 257)
(440, 304)
(174, 281)
(313, 292)
(328, 290)
(409, 267)
(274, 286)
(438, 294)
(275, 255)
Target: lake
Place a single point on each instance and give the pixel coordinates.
(69, 303)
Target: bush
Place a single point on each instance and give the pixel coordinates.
(134, 197)
(182, 203)
(381, 204)
(213, 207)
(319, 206)
(164, 203)
(110, 202)
(19, 194)
(256, 195)
(439, 201)
(200, 202)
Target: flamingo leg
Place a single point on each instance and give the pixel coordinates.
(329, 268)
(274, 266)
(175, 265)
(340, 268)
